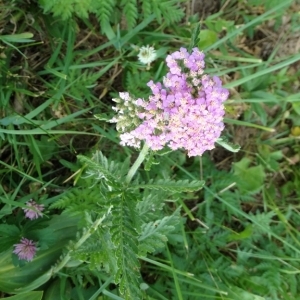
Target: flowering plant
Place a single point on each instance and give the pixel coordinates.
(127, 221)
(185, 111)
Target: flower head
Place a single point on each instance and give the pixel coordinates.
(33, 210)
(185, 111)
(146, 55)
(26, 249)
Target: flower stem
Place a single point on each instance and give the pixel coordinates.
(137, 163)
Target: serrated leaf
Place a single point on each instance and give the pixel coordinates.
(98, 167)
(172, 185)
(124, 236)
(150, 161)
(154, 234)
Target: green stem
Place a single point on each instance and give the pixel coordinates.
(137, 163)
(85, 236)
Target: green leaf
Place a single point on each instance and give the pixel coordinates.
(20, 279)
(47, 147)
(154, 234)
(249, 179)
(207, 38)
(37, 295)
(124, 233)
(150, 161)
(24, 37)
(172, 185)
(238, 293)
(10, 234)
(222, 141)
(237, 236)
(55, 291)
(296, 107)
(8, 230)
(98, 167)
(103, 117)
(35, 283)
(195, 37)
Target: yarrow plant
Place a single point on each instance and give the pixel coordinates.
(34, 210)
(185, 111)
(26, 249)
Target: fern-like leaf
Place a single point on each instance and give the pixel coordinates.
(149, 209)
(130, 11)
(154, 234)
(104, 10)
(82, 203)
(63, 9)
(81, 82)
(82, 8)
(157, 11)
(172, 185)
(97, 251)
(167, 10)
(98, 167)
(141, 90)
(146, 8)
(124, 236)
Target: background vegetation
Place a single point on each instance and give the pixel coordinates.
(168, 235)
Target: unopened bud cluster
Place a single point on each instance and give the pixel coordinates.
(185, 111)
(127, 113)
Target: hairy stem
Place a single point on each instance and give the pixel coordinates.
(137, 163)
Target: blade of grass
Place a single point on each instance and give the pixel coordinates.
(188, 276)
(102, 287)
(254, 221)
(243, 123)
(175, 278)
(68, 118)
(41, 131)
(26, 176)
(280, 65)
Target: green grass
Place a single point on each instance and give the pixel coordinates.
(236, 238)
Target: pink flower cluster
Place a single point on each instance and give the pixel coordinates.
(26, 249)
(33, 210)
(185, 111)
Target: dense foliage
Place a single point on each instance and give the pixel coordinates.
(83, 217)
